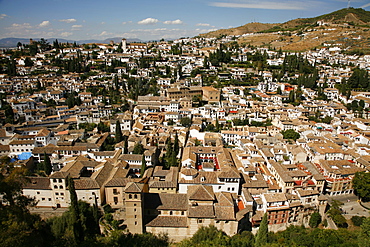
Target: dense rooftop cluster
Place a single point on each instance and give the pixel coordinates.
(187, 133)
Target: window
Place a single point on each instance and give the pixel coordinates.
(61, 187)
(56, 193)
(55, 186)
(171, 213)
(200, 221)
(43, 199)
(38, 192)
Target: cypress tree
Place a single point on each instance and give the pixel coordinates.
(176, 147)
(76, 222)
(118, 136)
(261, 237)
(47, 164)
(143, 166)
(125, 148)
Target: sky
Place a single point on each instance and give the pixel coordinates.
(149, 19)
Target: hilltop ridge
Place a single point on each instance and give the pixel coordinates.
(348, 27)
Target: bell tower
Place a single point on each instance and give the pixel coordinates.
(134, 207)
(124, 45)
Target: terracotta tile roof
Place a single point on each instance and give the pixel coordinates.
(224, 213)
(201, 193)
(85, 184)
(201, 211)
(119, 182)
(37, 183)
(23, 142)
(49, 149)
(43, 132)
(202, 178)
(168, 221)
(4, 148)
(308, 192)
(229, 173)
(102, 173)
(166, 201)
(59, 174)
(224, 199)
(134, 188)
(2, 133)
(275, 197)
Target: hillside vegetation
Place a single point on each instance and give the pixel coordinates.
(346, 27)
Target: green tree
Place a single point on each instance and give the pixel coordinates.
(185, 121)
(102, 127)
(207, 236)
(244, 239)
(261, 237)
(336, 214)
(361, 185)
(143, 166)
(47, 164)
(357, 220)
(315, 220)
(28, 62)
(290, 134)
(364, 235)
(176, 147)
(138, 148)
(18, 226)
(125, 147)
(77, 234)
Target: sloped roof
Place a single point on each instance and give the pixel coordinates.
(37, 183)
(202, 211)
(201, 193)
(168, 221)
(85, 184)
(134, 188)
(166, 201)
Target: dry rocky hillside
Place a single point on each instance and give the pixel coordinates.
(343, 28)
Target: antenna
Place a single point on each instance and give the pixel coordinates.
(349, 3)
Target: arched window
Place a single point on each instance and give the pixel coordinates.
(61, 187)
(130, 196)
(55, 186)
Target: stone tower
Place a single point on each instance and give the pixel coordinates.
(134, 207)
(124, 45)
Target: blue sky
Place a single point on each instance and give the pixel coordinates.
(149, 19)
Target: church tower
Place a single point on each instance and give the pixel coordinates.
(124, 45)
(134, 207)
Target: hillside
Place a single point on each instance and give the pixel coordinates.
(345, 27)
(247, 28)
